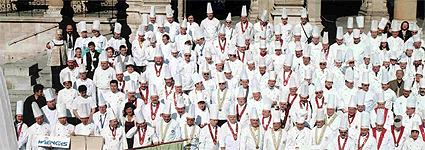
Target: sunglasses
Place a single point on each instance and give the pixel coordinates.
(365, 84)
(228, 22)
(187, 55)
(319, 92)
(221, 83)
(206, 74)
(322, 64)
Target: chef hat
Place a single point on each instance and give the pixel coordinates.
(152, 12)
(403, 59)
(241, 94)
(304, 13)
(61, 110)
(254, 113)
(255, 86)
(308, 73)
(360, 21)
(96, 25)
(380, 116)
(199, 34)
(177, 80)
(307, 52)
(158, 52)
(263, 44)
(103, 56)
(360, 97)
(356, 33)
(66, 77)
(130, 62)
(160, 21)
(411, 102)
(270, 67)
(117, 28)
(221, 78)
(419, 71)
(300, 116)
(329, 77)
(322, 58)
(298, 46)
(141, 30)
(243, 11)
(48, 94)
(276, 116)
(70, 56)
(277, 30)
(167, 73)
(353, 101)
(184, 23)
(376, 60)
(339, 56)
(349, 75)
(316, 32)
(297, 31)
(241, 41)
(209, 8)
(119, 69)
(288, 61)
(226, 68)
(180, 102)
(339, 33)
(318, 86)
(205, 68)
(196, 78)
(384, 38)
(398, 121)
(349, 55)
(262, 62)
(153, 38)
(413, 26)
(416, 38)
(131, 86)
(415, 126)
(374, 25)
(83, 110)
(267, 103)
(19, 108)
(380, 97)
(82, 69)
(229, 17)
(394, 26)
(102, 101)
(422, 83)
(350, 22)
(169, 11)
(222, 29)
(409, 45)
(284, 14)
(325, 39)
(365, 120)
(145, 20)
(272, 75)
(407, 85)
(167, 108)
(139, 115)
(153, 90)
(264, 16)
(191, 113)
(382, 23)
(304, 89)
(82, 26)
(277, 45)
(331, 101)
(320, 115)
(214, 111)
(385, 79)
(343, 124)
(142, 78)
(292, 83)
(365, 77)
(244, 75)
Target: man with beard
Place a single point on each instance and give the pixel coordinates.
(244, 25)
(342, 141)
(70, 69)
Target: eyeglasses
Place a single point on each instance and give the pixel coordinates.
(206, 74)
(322, 64)
(187, 55)
(351, 62)
(228, 22)
(221, 83)
(365, 84)
(319, 92)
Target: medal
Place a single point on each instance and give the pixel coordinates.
(219, 109)
(257, 147)
(153, 114)
(158, 72)
(113, 138)
(396, 144)
(153, 117)
(285, 80)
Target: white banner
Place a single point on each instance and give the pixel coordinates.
(58, 142)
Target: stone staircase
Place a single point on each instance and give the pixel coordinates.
(254, 12)
(22, 75)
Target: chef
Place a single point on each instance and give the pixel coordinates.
(154, 108)
(321, 134)
(50, 110)
(189, 130)
(252, 137)
(261, 26)
(62, 128)
(116, 40)
(173, 27)
(223, 97)
(99, 40)
(39, 128)
(142, 134)
(20, 127)
(342, 141)
(86, 127)
(365, 140)
(114, 135)
(381, 134)
(244, 26)
(103, 74)
(230, 137)
(210, 25)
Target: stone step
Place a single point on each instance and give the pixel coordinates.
(18, 95)
(18, 82)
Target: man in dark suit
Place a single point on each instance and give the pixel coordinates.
(397, 85)
(405, 33)
(92, 58)
(36, 97)
(70, 36)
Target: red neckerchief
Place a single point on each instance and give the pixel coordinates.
(82, 60)
(285, 80)
(19, 131)
(237, 111)
(381, 136)
(222, 47)
(422, 132)
(174, 97)
(168, 93)
(306, 106)
(141, 138)
(214, 138)
(158, 72)
(153, 114)
(235, 136)
(123, 85)
(135, 102)
(247, 46)
(292, 101)
(323, 102)
(328, 88)
(243, 57)
(114, 132)
(75, 64)
(364, 142)
(350, 122)
(263, 55)
(281, 42)
(246, 26)
(385, 113)
(144, 97)
(343, 145)
(399, 136)
(327, 53)
(268, 123)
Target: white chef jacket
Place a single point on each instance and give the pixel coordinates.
(173, 133)
(33, 132)
(100, 42)
(49, 115)
(117, 142)
(210, 28)
(149, 139)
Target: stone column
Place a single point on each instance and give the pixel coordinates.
(180, 13)
(314, 12)
(405, 10)
(55, 7)
(374, 10)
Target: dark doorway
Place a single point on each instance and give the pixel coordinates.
(421, 10)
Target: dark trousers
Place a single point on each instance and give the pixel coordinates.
(140, 69)
(130, 142)
(73, 120)
(56, 84)
(221, 122)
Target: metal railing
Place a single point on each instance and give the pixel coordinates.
(22, 7)
(94, 8)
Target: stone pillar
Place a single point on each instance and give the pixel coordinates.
(314, 12)
(374, 10)
(180, 13)
(293, 9)
(405, 10)
(55, 7)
